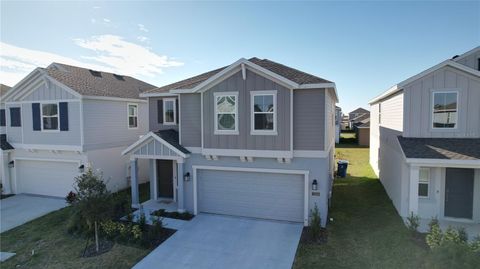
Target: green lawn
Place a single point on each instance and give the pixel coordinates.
(366, 231)
(347, 135)
(54, 248)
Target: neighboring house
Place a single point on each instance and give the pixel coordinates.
(5, 147)
(61, 119)
(359, 119)
(338, 123)
(425, 142)
(344, 124)
(250, 139)
(363, 133)
(357, 112)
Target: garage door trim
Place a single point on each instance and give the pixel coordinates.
(305, 173)
(78, 162)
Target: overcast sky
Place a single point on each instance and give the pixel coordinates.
(364, 47)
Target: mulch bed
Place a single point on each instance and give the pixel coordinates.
(307, 238)
(173, 215)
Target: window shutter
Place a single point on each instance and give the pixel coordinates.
(15, 120)
(2, 117)
(177, 115)
(36, 116)
(63, 116)
(160, 111)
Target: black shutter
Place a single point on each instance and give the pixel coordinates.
(160, 111)
(63, 116)
(176, 108)
(2, 117)
(15, 120)
(36, 116)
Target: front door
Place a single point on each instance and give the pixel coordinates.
(165, 178)
(459, 193)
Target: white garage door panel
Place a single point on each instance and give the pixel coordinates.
(252, 194)
(45, 177)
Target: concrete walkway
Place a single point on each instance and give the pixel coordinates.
(212, 241)
(21, 208)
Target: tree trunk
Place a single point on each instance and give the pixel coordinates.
(96, 238)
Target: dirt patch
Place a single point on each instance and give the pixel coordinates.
(173, 215)
(91, 251)
(308, 238)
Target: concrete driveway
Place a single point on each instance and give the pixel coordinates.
(213, 241)
(19, 209)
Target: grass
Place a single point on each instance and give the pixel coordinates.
(366, 231)
(55, 248)
(347, 135)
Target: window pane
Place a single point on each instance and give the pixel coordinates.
(49, 109)
(50, 123)
(226, 104)
(169, 115)
(132, 110)
(423, 190)
(226, 121)
(132, 122)
(424, 174)
(445, 110)
(263, 121)
(263, 103)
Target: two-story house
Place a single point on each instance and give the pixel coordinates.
(425, 142)
(254, 139)
(61, 119)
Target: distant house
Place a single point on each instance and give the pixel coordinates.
(357, 112)
(363, 133)
(359, 119)
(338, 123)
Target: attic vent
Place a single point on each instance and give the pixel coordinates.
(95, 73)
(119, 77)
(454, 57)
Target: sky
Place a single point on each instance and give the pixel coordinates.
(364, 47)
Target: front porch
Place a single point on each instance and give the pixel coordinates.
(152, 205)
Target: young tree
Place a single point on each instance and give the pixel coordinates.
(92, 200)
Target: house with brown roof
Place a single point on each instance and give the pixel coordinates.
(61, 119)
(425, 143)
(255, 139)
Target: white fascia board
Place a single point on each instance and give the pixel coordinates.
(248, 153)
(159, 94)
(156, 137)
(316, 85)
(443, 163)
(14, 89)
(466, 54)
(267, 72)
(118, 99)
(47, 147)
(138, 142)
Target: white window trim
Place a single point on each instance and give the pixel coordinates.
(58, 117)
(215, 113)
(432, 110)
(252, 113)
(425, 181)
(174, 111)
(128, 115)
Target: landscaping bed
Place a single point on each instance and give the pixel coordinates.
(173, 215)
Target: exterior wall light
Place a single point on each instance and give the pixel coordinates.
(81, 168)
(11, 164)
(314, 185)
(186, 177)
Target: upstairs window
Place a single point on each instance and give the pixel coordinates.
(2, 117)
(424, 183)
(264, 112)
(445, 110)
(226, 113)
(478, 64)
(132, 116)
(50, 117)
(169, 111)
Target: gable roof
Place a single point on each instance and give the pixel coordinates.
(291, 76)
(169, 138)
(4, 89)
(172, 137)
(452, 63)
(359, 110)
(441, 148)
(466, 54)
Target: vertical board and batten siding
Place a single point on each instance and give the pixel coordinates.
(153, 147)
(309, 119)
(245, 140)
(106, 124)
(418, 104)
(3, 128)
(470, 61)
(49, 91)
(190, 118)
(154, 125)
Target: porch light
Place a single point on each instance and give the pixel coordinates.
(314, 185)
(81, 168)
(11, 164)
(186, 177)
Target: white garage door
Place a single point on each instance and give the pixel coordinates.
(45, 177)
(251, 194)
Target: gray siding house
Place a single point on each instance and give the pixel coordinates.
(253, 139)
(425, 142)
(60, 120)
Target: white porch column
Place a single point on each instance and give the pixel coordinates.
(413, 190)
(5, 170)
(134, 182)
(180, 189)
(153, 178)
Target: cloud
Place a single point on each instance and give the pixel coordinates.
(96, 7)
(143, 38)
(106, 20)
(142, 28)
(107, 53)
(92, 20)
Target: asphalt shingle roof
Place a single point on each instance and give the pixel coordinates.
(292, 74)
(441, 148)
(171, 136)
(4, 145)
(107, 84)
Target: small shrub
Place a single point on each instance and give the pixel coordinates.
(71, 197)
(109, 228)
(137, 232)
(315, 223)
(433, 221)
(435, 236)
(475, 244)
(453, 235)
(413, 222)
(142, 220)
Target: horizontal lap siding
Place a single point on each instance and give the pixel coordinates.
(309, 119)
